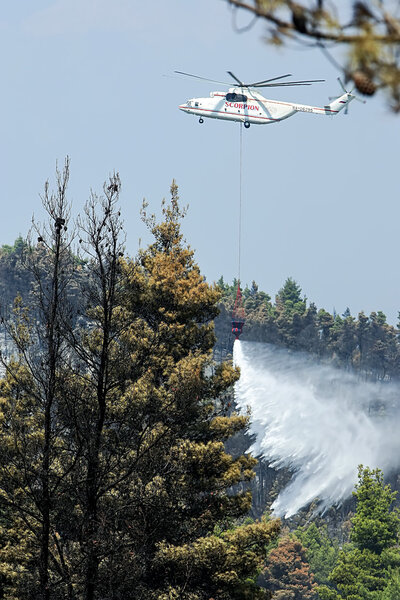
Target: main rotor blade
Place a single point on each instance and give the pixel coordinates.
(341, 85)
(268, 85)
(289, 83)
(256, 83)
(203, 78)
(236, 79)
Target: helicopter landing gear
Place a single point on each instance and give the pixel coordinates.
(201, 120)
(246, 124)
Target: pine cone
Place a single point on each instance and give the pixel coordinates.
(363, 83)
(299, 18)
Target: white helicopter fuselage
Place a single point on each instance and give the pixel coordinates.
(254, 108)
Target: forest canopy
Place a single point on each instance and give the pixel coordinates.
(124, 466)
(365, 344)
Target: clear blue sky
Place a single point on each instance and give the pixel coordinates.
(93, 79)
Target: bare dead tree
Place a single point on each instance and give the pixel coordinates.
(102, 239)
(37, 336)
(52, 312)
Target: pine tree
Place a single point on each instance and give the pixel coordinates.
(344, 339)
(289, 296)
(173, 474)
(365, 568)
(321, 551)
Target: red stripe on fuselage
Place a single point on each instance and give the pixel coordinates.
(230, 113)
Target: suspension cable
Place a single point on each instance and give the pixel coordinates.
(238, 316)
(240, 200)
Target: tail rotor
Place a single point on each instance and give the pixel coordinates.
(350, 96)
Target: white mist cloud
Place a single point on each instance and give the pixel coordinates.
(315, 420)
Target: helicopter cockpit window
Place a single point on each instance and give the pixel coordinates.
(232, 97)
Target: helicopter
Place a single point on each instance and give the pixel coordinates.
(243, 103)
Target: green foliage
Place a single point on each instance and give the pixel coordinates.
(368, 567)
(17, 248)
(20, 442)
(375, 525)
(358, 573)
(327, 593)
(321, 551)
(392, 589)
(225, 563)
(289, 297)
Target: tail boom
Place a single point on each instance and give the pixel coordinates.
(329, 109)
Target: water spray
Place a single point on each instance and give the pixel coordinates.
(318, 421)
